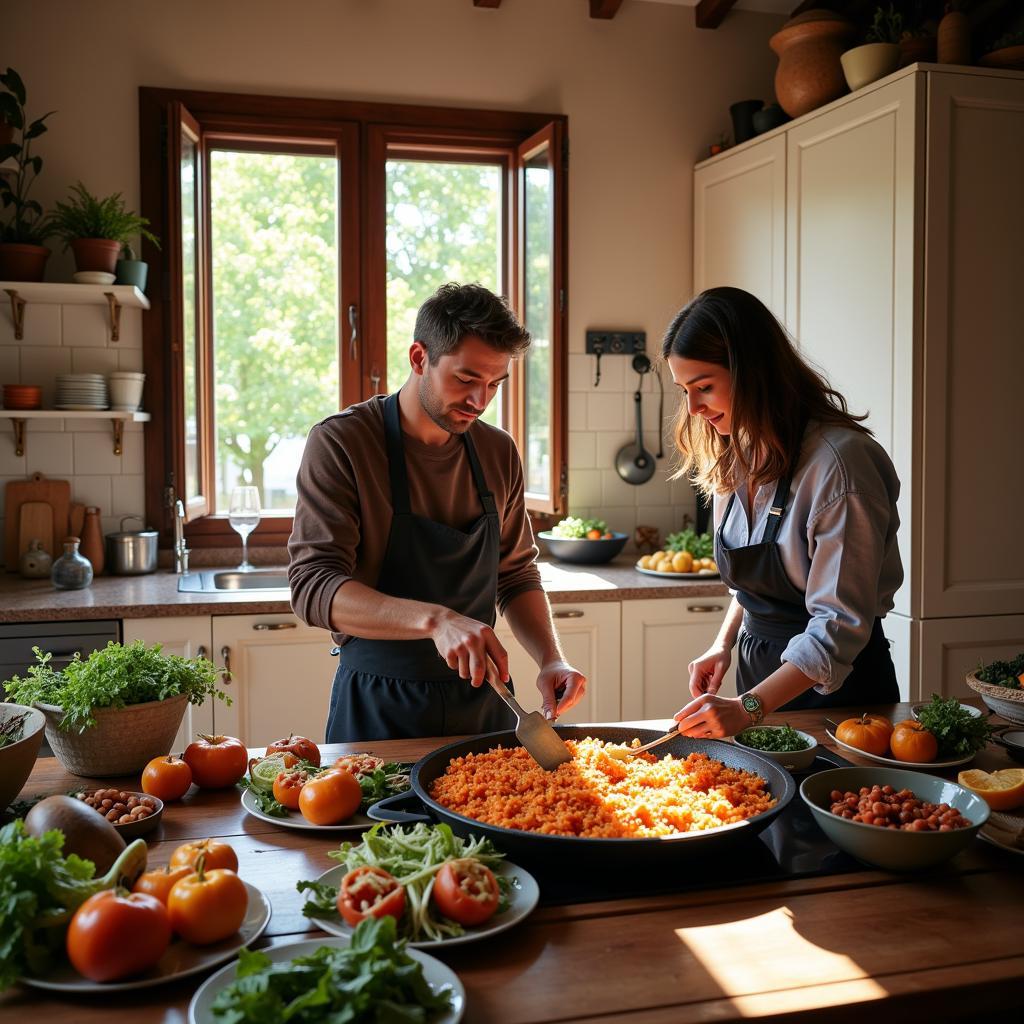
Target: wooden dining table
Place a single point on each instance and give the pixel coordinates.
(941, 945)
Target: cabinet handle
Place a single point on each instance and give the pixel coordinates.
(225, 656)
(572, 614)
(274, 625)
(705, 608)
(201, 651)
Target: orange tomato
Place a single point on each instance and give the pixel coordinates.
(869, 733)
(207, 906)
(160, 881)
(114, 935)
(287, 788)
(216, 854)
(331, 798)
(593, 534)
(912, 742)
(298, 746)
(167, 778)
(216, 761)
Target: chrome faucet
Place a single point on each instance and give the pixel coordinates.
(180, 550)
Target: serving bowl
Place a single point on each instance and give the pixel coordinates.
(1012, 741)
(793, 760)
(581, 550)
(893, 849)
(1006, 703)
(17, 759)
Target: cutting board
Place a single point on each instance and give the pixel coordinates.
(56, 493)
(36, 523)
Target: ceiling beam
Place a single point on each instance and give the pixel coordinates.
(710, 13)
(486, 3)
(604, 8)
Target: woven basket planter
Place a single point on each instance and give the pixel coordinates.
(123, 740)
(1006, 703)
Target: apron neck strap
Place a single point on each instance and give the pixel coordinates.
(777, 510)
(486, 497)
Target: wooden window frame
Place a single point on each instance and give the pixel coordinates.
(381, 130)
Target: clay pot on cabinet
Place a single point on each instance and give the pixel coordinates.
(916, 49)
(92, 254)
(809, 48)
(953, 42)
(20, 262)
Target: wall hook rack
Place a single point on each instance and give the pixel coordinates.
(613, 343)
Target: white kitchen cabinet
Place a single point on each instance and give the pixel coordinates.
(659, 639)
(590, 634)
(189, 637)
(953, 647)
(281, 675)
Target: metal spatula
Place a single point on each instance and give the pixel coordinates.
(533, 730)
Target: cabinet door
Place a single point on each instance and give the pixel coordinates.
(950, 648)
(590, 637)
(739, 221)
(189, 637)
(281, 675)
(659, 639)
(903, 637)
(851, 265)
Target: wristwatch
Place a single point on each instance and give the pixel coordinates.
(753, 707)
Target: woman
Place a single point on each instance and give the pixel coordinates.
(805, 514)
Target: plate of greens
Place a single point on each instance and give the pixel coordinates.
(332, 978)
(414, 856)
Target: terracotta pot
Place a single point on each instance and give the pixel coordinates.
(96, 254)
(809, 47)
(914, 49)
(22, 262)
(868, 63)
(953, 42)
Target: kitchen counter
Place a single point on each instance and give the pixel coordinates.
(156, 595)
(940, 945)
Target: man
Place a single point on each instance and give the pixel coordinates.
(410, 528)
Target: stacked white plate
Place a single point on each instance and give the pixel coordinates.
(81, 392)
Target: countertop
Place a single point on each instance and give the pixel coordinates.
(157, 596)
(940, 945)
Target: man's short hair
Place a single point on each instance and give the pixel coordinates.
(456, 311)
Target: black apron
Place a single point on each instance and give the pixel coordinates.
(774, 612)
(393, 689)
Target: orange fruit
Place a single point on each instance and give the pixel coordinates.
(1002, 790)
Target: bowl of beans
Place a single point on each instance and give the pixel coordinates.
(132, 814)
(894, 818)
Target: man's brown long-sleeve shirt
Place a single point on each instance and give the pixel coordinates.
(343, 512)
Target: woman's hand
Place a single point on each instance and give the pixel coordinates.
(710, 715)
(561, 686)
(708, 671)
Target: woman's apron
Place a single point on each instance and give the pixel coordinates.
(392, 689)
(774, 612)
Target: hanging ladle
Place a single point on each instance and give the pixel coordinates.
(634, 463)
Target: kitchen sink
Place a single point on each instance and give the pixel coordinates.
(233, 580)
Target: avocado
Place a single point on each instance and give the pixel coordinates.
(86, 833)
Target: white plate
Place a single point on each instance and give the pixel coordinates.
(899, 764)
(437, 974)
(81, 408)
(297, 821)
(523, 898)
(180, 960)
(703, 574)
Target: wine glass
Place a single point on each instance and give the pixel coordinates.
(244, 516)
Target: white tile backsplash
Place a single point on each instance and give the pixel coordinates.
(581, 449)
(131, 330)
(85, 326)
(51, 453)
(94, 454)
(42, 325)
(10, 365)
(40, 365)
(127, 494)
(129, 359)
(92, 490)
(94, 360)
(10, 464)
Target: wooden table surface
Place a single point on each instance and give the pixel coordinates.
(943, 946)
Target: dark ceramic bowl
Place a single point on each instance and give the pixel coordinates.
(583, 551)
(1012, 741)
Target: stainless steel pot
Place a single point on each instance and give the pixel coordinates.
(131, 552)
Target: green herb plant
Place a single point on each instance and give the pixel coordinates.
(1003, 673)
(887, 26)
(87, 216)
(783, 739)
(700, 545)
(572, 528)
(114, 677)
(959, 733)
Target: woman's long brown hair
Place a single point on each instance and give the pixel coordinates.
(774, 393)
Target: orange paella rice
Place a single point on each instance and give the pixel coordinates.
(597, 796)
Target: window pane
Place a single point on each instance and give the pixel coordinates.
(274, 259)
(537, 288)
(189, 341)
(443, 224)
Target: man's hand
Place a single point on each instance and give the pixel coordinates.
(561, 686)
(465, 645)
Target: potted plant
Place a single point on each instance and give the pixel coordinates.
(114, 711)
(95, 228)
(131, 270)
(25, 226)
(879, 55)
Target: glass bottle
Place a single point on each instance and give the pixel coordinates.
(71, 571)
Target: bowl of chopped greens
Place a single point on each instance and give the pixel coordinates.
(584, 541)
(21, 735)
(1000, 684)
(793, 749)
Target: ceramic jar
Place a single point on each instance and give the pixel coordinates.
(36, 563)
(71, 571)
(92, 539)
(810, 74)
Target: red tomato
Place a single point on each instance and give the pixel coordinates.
(216, 761)
(114, 936)
(208, 906)
(303, 749)
(593, 534)
(370, 891)
(168, 778)
(160, 881)
(466, 891)
(288, 786)
(331, 798)
(215, 854)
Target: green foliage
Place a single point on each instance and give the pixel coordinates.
(700, 545)
(24, 220)
(88, 216)
(779, 740)
(958, 731)
(573, 528)
(886, 27)
(114, 677)
(1003, 673)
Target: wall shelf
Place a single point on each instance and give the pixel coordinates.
(116, 417)
(114, 296)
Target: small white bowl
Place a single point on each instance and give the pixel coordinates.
(94, 277)
(793, 760)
